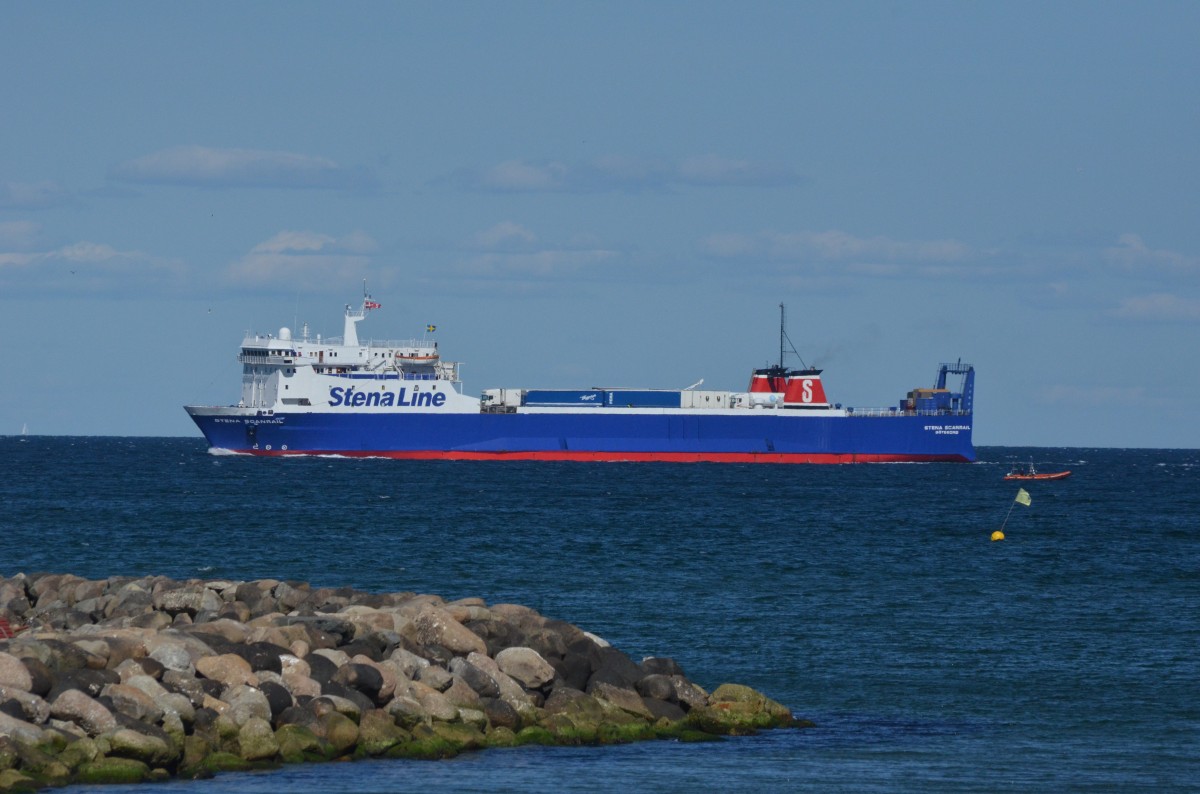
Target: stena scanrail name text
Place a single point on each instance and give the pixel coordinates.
(947, 430)
(350, 398)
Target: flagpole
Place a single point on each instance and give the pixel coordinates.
(1022, 497)
(1006, 515)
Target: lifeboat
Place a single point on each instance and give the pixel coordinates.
(416, 357)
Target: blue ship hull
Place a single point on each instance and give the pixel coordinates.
(766, 436)
(400, 399)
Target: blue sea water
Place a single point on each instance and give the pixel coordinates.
(867, 598)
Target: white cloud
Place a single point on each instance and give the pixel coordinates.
(621, 173)
(210, 167)
(624, 173)
(713, 170)
(89, 267)
(15, 260)
(874, 269)
(544, 263)
(834, 245)
(295, 242)
(31, 195)
(730, 246)
(303, 260)
(1159, 307)
(517, 176)
(867, 255)
(504, 235)
(84, 252)
(510, 257)
(1132, 253)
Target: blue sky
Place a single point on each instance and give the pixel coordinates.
(584, 194)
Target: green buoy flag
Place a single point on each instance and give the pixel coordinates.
(1022, 498)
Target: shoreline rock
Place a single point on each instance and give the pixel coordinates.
(129, 679)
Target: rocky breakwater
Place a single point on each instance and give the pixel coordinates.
(131, 679)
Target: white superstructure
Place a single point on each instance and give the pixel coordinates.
(282, 372)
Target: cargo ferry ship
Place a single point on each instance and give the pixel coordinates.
(304, 395)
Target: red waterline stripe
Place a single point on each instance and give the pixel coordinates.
(621, 457)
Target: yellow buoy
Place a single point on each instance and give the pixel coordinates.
(997, 535)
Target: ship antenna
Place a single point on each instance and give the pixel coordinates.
(783, 335)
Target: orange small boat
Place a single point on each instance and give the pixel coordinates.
(1030, 472)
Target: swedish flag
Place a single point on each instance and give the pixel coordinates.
(431, 328)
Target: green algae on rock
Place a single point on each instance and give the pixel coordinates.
(124, 679)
